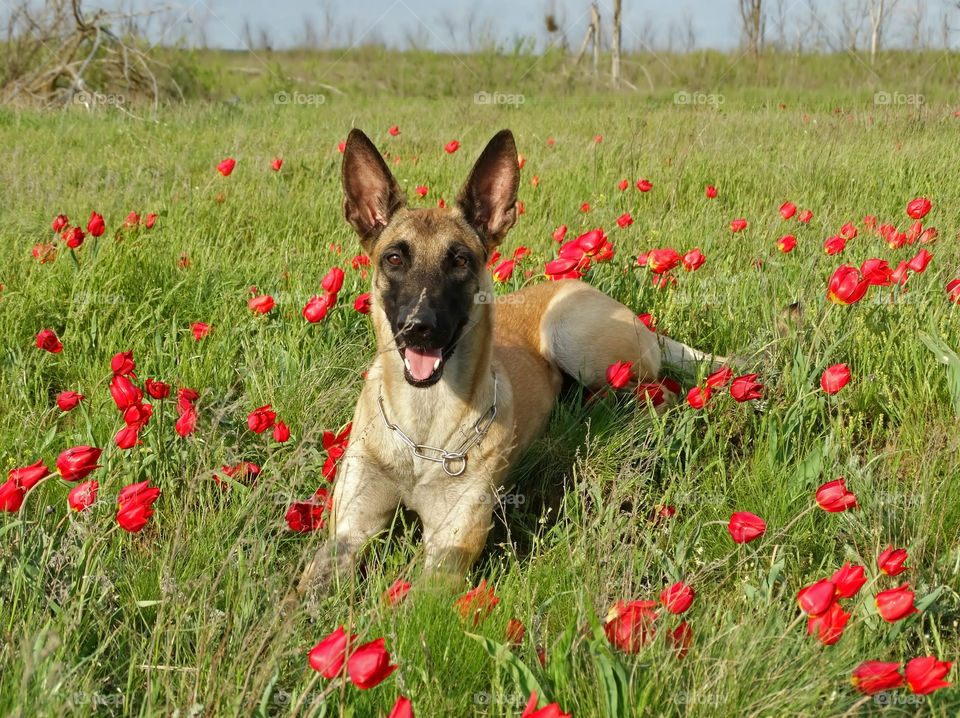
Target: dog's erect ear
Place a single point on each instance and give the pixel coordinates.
(371, 194)
(488, 198)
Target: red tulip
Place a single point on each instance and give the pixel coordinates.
(44, 253)
(397, 592)
(915, 229)
(124, 393)
(333, 281)
(629, 624)
(890, 561)
(835, 378)
(132, 220)
(336, 444)
(918, 208)
(622, 186)
(677, 598)
(28, 476)
(738, 224)
(846, 286)
(520, 161)
(362, 303)
(281, 432)
(316, 309)
(681, 638)
(720, 378)
(876, 272)
(698, 397)
(744, 527)
(848, 231)
(122, 364)
(548, 711)
(787, 210)
(787, 243)
(650, 391)
(899, 275)
(74, 464)
(225, 167)
(73, 237)
(262, 304)
(829, 625)
(95, 226)
(563, 269)
(834, 245)
(817, 597)
(259, 420)
(711, 191)
(662, 260)
(150, 220)
(200, 330)
(60, 221)
(476, 600)
(187, 423)
(559, 233)
(619, 374)
(126, 438)
(585, 207)
(928, 235)
(919, 262)
(48, 341)
(138, 415)
(745, 388)
(895, 603)
(693, 260)
(849, 580)
(624, 220)
(369, 665)
(394, 131)
(276, 164)
(805, 216)
(875, 677)
(521, 252)
(11, 496)
(515, 631)
(68, 400)
(157, 389)
(341, 146)
(401, 709)
(504, 270)
(451, 147)
(305, 516)
(953, 290)
(421, 191)
(329, 655)
(133, 506)
(598, 139)
(83, 495)
(924, 674)
(834, 497)
(644, 185)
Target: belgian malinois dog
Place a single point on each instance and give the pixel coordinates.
(461, 385)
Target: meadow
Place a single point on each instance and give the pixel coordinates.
(195, 613)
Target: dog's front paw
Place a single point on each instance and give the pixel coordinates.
(317, 577)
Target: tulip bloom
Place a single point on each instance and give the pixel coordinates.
(698, 396)
(895, 603)
(953, 290)
(924, 674)
(629, 624)
(225, 167)
(124, 393)
(133, 505)
(834, 497)
(401, 709)
(394, 131)
(817, 597)
(787, 210)
(693, 260)
(95, 226)
(549, 711)
(515, 631)
(624, 220)
(919, 262)
(200, 330)
(504, 270)
(305, 516)
(259, 420)
(677, 598)
(805, 216)
(329, 655)
(918, 208)
(28, 476)
(835, 378)
(828, 625)
(622, 186)
(875, 676)
(362, 303)
(316, 308)
(157, 389)
(187, 423)
(744, 527)
(711, 191)
(476, 600)
(126, 438)
(83, 495)
(68, 400)
(738, 224)
(11, 496)
(122, 364)
(644, 185)
(281, 432)
(849, 580)
(559, 233)
(369, 665)
(681, 638)
(787, 243)
(744, 388)
(150, 220)
(891, 561)
(846, 286)
(421, 191)
(262, 304)
(397, 592)
(276, 164)
(662, 260)
(848, 231)
(928, 235)
(876, 272)
(720, 378)
(74, 464)
(835, 245)
(619, 374)
(60, 221)
(333, 281)
(48, 341)
(451, 147)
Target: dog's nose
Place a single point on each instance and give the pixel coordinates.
(418, 326)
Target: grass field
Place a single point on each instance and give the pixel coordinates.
(188, 616)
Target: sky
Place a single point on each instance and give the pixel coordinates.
(462, 25)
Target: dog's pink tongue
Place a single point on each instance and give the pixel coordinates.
(420, 363)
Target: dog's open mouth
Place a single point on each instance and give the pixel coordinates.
(423, 367)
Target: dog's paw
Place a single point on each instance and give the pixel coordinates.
(317, 577)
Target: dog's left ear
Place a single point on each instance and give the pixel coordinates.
(488, 199)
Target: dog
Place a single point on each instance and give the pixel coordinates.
(460, 385)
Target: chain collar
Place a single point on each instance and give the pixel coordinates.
(454, 462)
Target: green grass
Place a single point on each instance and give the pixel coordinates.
(189, 614)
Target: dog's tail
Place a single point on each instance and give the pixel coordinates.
(583, 332)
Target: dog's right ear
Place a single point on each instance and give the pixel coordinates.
(371, 194)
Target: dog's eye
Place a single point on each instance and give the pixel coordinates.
(460, 261)
(395, 259)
